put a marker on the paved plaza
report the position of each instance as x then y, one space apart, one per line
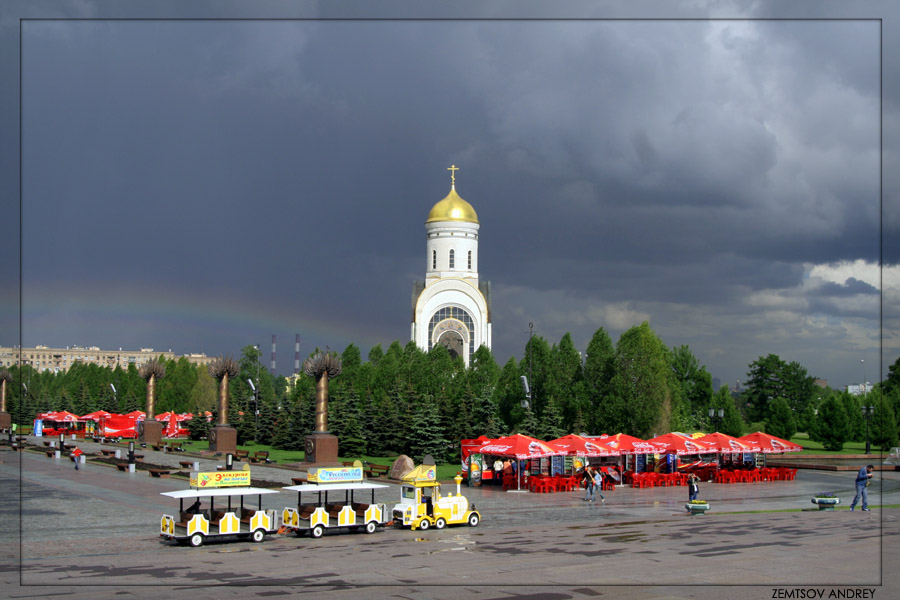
93 533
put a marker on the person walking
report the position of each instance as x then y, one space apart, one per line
588 484
862 485
598 484
76 454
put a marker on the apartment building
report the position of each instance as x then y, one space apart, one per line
59 360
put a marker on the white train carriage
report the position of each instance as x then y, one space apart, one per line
223 515
335 499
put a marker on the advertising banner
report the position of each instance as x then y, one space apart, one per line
475 469
557 465
219 479
335 475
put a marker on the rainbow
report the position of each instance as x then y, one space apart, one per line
138 312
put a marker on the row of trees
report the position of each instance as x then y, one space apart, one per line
785 399
404 400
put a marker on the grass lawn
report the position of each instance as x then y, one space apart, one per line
811 447
445 471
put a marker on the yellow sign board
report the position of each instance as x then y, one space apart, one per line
421 474
219 479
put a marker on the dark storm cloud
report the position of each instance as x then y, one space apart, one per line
685 172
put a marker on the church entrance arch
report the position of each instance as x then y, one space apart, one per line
453 342
452 328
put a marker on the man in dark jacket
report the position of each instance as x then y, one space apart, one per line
862 484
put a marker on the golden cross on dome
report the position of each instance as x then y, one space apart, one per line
453 169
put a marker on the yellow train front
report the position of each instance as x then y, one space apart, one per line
422 506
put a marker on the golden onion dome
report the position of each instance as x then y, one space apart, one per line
452 208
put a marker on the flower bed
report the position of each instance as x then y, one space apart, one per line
697 507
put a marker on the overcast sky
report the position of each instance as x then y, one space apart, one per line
202 185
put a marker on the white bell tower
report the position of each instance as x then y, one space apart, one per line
452 307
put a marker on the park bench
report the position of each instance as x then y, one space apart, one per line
258 457
299 480
241 453
347 463
186 464
122 466
158 447
50 453
174 446
107 452
47 443
377 470
160 472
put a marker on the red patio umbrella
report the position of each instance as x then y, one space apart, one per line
137 414
62 416
674 443
165 416
768 444
95 416
626 444
520 447
725 444
575 445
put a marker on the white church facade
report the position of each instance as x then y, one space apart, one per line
452 306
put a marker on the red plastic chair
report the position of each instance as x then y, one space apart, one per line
539 485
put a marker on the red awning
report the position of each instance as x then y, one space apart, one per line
725 444
674 443
519 446
575 445
626 444
768 444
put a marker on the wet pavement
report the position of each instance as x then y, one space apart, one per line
66 532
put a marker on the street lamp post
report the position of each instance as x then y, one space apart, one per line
256 394
867 412
714 414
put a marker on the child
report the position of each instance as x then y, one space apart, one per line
598 484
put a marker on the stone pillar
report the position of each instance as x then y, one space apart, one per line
5 417
223 438
322 449
150 431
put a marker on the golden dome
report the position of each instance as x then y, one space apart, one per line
452 208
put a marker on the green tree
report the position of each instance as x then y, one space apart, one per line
769 378
599 367
732 423
509 395
884 421
536 364
831 427
564 384
481 380
639 402
695 383
426 436
892 382
856 424
781 422
203 392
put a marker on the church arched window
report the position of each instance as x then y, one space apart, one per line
434 259
470 260
452 259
